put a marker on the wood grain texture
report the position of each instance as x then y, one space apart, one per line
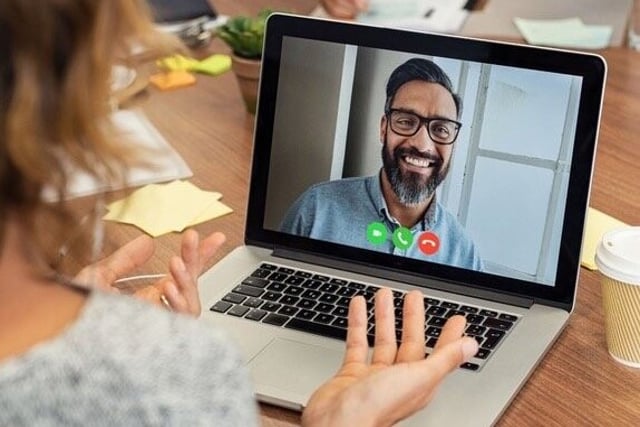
577 383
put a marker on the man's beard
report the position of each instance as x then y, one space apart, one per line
412 188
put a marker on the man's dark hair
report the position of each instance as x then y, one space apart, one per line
419 69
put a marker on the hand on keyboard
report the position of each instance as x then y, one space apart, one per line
397 381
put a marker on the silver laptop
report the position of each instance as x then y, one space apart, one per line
347 141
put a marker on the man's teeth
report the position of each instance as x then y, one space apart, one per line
417 161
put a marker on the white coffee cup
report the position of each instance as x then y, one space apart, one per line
618 259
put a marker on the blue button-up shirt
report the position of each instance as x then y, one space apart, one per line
340 211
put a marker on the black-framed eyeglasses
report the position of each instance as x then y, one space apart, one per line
406 123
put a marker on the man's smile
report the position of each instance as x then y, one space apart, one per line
419 162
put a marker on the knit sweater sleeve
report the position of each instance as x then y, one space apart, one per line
124 362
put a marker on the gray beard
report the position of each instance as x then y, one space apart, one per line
411 189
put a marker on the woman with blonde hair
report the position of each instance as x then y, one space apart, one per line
74 353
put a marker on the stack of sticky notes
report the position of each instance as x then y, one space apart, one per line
163 208
598 223
179 69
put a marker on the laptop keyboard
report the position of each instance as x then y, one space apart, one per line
319 304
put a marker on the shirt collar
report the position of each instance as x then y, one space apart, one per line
374 187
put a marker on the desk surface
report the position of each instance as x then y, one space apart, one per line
577 383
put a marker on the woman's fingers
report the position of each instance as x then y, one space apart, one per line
412 347
122 262
385 347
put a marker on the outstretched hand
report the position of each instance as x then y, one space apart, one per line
359 394
179 287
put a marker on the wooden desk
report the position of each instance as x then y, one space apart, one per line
577 383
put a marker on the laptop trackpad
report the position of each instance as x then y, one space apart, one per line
294 367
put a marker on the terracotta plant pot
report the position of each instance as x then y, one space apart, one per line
247 72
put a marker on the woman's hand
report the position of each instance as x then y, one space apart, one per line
397 381
179 288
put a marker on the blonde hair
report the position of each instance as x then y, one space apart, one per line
54 97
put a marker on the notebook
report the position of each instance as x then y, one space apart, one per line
498 177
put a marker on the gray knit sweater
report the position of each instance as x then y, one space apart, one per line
126 363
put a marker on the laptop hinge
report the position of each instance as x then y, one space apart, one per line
403 277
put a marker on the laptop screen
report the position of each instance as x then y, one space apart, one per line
450 158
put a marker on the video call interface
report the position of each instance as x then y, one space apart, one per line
499 204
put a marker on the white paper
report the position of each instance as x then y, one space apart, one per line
166 163
445 16
570 33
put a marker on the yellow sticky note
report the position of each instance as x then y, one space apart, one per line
177 63
213 65
163 208
598 223
172 80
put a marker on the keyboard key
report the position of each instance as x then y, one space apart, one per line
492 338
324 318
328 298
431 301
343 301
271 306
488 313
255 281
312 284
347 292
321 278
294 280
294 290
328 287
433 332
483 353
431 342
497 323
341 322
306 303
340 282
256 314
260 273
248 290
317 328
357 285
286 270
474 319
454 312
437 321
469 309
304 274
221 306
233 298
278 277
475 330
272 296
275 319
238 310
288 311
311 294
436 311
277 286
268 266
340 311
253 302
289 300
508 317
306 314
324 307
447 304
470 366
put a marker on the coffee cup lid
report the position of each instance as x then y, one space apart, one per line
618 254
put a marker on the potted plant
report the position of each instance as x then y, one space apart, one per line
244 35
